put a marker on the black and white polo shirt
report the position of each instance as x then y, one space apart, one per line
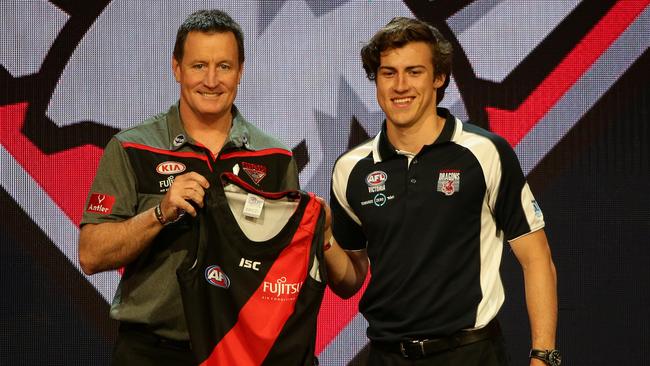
433 225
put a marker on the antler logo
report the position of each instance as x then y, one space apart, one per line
97 205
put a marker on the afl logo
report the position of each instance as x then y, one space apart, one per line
376 178
215 276
170 167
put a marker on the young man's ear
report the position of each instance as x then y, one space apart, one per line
439 80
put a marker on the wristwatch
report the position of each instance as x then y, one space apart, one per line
551 357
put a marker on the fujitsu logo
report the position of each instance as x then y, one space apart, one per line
165 184
280 290
170 167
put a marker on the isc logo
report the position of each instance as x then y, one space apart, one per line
375 178
216 277
247 263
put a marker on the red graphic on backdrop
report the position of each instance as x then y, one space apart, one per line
66 176
514 125
335 314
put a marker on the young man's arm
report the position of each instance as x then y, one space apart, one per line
346 270
534 255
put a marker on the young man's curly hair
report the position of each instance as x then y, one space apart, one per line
400 31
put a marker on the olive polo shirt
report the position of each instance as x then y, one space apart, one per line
138 167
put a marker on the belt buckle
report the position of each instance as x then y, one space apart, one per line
419 342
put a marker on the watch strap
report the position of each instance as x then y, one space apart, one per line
550 357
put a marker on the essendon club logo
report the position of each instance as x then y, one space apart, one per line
256 172
170 167
100 203
216 277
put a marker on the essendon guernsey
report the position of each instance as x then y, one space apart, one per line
253 284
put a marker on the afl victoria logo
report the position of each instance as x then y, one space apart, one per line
170 167
216 277
376 178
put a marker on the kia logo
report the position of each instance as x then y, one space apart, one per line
170 167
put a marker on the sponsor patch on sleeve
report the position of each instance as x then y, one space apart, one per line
100 203
536 209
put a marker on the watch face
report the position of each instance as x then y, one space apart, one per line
554 357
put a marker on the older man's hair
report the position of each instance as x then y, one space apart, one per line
208 21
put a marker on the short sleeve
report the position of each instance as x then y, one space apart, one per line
516 211
113 194
346 227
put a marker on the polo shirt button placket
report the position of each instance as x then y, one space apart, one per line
414 161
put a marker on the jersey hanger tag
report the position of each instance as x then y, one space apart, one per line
253 206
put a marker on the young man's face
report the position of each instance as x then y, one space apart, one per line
208 74
406 86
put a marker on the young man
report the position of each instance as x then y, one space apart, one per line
153 176
427 204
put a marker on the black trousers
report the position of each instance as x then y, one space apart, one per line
489 352
135 346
